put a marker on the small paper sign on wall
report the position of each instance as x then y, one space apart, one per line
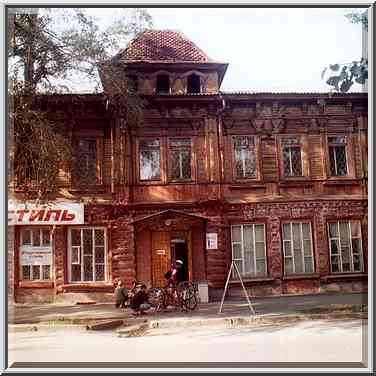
212 240
161 252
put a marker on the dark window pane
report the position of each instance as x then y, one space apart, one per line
333 230
46 240
296 161
88 268
288 266
334 247
356 246
76 237
36 271
308 264
46 272
332 161
99 255
76 272
341 160
26 272
36 238
193 84
88 242
335 264
26 237
99 237
286 161
99 272
357 259
163 84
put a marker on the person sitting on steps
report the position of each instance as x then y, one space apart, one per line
121 295
140 302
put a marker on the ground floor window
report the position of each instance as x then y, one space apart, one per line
87 254
297 248
345 244
36 254
248 249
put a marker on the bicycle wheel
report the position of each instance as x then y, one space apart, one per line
191 303
185 289
156 298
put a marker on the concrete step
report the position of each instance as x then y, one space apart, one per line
110 324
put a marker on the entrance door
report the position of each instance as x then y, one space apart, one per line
161 257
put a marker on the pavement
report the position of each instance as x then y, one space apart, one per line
234 312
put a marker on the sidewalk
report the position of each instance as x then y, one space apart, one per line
272 307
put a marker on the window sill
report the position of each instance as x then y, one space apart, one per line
248 185
36 284
346 276
252 280
88 286
340 181
295 183
300 276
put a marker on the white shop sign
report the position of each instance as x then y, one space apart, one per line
56 213
212 240
36 255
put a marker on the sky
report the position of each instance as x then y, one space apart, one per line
268 49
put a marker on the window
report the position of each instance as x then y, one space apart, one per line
292 159
163 84
193 84
87 161
245 157
36 254
150 168
297 248
180 159
345 243
248 249
87 254
337 155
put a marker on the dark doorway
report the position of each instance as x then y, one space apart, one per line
163 84
193 84
180 252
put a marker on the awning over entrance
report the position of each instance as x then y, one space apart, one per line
175 213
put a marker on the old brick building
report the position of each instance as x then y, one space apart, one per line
276 181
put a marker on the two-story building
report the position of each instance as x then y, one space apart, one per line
276 182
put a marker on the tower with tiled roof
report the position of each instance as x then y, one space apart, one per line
167 62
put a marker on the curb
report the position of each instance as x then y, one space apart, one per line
234 322
133 325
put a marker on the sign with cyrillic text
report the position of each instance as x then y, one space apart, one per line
55 213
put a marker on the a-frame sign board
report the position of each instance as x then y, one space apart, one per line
234 266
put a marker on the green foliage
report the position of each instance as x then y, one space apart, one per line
49 50
354 72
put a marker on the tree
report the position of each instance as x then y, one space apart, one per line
349 73
48 50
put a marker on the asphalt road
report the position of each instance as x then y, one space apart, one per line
310 341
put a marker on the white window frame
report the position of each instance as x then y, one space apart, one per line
333 145
255 259
243 152
288 145
31 245
81 256
339 254
291 241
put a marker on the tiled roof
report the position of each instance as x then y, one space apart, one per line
162 45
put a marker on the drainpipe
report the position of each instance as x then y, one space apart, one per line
220 143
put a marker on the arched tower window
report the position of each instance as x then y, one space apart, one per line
193 84
163 84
